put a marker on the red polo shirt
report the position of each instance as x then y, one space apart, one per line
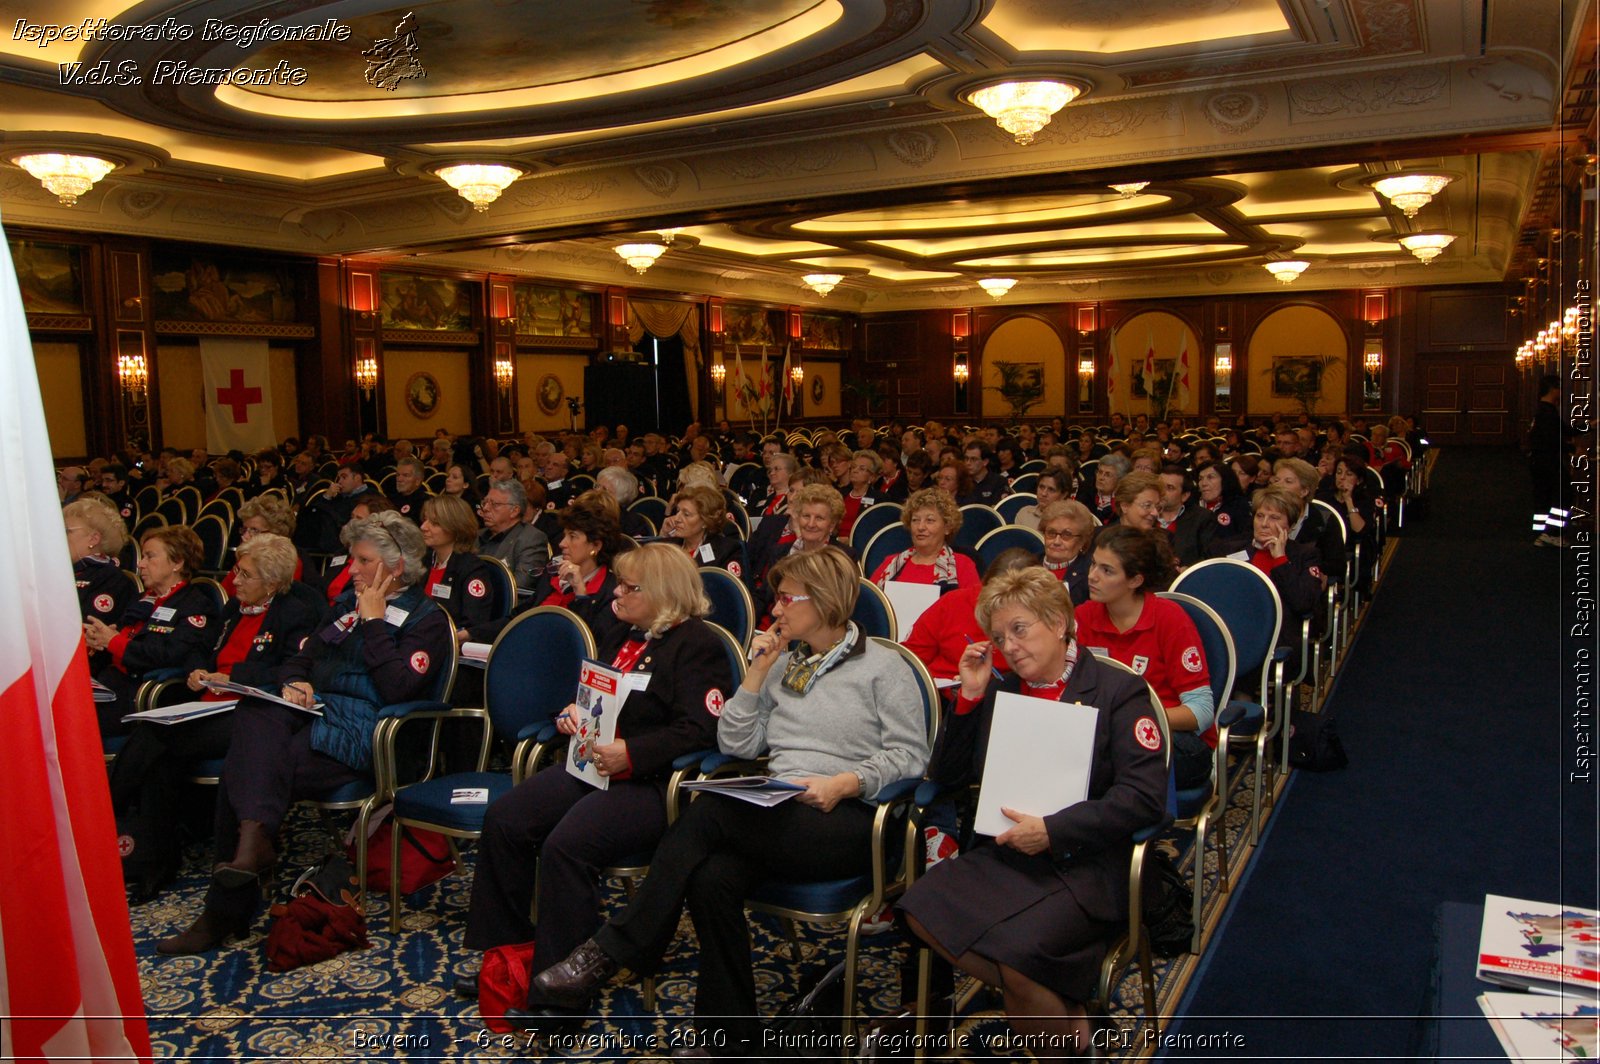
1163 646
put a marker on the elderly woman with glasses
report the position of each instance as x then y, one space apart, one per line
558 832
95 537
1032 909
1068 529
838 715
264 515
262 627
386 643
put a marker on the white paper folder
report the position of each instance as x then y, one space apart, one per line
1040 755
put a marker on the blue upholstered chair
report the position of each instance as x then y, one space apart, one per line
977 521
870 522
651 507
1013 504
1006 537
731 605
889 541
874 614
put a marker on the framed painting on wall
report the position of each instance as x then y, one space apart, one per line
193 288
822 332
423 395
411 302
550 393
543 310
1297 376
749 327
49 275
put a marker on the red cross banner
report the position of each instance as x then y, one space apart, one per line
69 984
238 395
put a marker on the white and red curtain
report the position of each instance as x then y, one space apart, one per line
69 985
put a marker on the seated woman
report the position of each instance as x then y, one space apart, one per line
814 513
1125 619
172 627
1347 493
1138 501
1068 529
1055 483
1220 493
386 644
458 482
1101 496
781 469
1031 910
840 716
945 629
865 466
1316 526
933 519
267 514
1294 568
952 477
556 832
457 578
261 628
695 520
95 538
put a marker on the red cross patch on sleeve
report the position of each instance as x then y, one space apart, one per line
198 620
1314 571
1224 520
714 702
476 589
103 603
735 569
1147 733
1192 660
419 662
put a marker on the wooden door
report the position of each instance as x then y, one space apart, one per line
1468 398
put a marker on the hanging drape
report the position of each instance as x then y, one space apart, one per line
662 318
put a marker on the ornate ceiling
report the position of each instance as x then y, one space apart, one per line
791 136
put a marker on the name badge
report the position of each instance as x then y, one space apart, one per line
338 559
705 552
866 501
396 616
441 591
163 613
1241 555
636 681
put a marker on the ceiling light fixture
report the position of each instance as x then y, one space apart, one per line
822 283
1022 108
996 286
1411 192
640 256
480 184
1426 246
1131 188
1287 272
66 176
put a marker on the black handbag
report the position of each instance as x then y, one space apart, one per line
1314 743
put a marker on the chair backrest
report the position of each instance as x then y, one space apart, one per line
889 541
580 482
735 652
173 510
731 605
1246 601
931 702
1087 471
213 533
871 521
1215 643
873 613
146 499
977 521
1012 505
1025 482
150 520
532 673
651 507
435 481
1159 710
503 586
737 513
1006 537
192 499
219 597
219 507
444 680
1032 465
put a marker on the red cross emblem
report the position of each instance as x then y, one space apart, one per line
1147 733
714 702
476 589
103 603
198 620
419 662
735 569
1191 659
236 395
124 845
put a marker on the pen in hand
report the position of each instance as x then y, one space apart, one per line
997 674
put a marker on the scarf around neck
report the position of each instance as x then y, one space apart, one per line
806 666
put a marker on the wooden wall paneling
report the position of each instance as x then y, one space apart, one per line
324 368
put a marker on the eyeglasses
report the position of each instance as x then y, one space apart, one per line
627 588
1014 634
1061 533
485 504
790 600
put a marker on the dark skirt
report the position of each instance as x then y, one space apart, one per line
1016 910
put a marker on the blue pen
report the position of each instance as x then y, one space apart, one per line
997 673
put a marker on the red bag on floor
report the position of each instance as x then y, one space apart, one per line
425 857
503 983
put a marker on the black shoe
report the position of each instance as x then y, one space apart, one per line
545 1018
467 987
572 983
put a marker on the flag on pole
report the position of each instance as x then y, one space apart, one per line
1150 365
238 394
740 384
1183 377
1111 381
69 985
766 384
788 384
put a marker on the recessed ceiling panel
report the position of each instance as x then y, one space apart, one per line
1100 26
967 214
1102 256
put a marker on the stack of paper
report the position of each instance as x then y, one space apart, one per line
102 693
1543 1027
1041 753
1538 945
757 790
182 711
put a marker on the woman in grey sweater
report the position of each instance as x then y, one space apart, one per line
843 717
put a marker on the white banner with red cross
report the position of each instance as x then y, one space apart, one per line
238 394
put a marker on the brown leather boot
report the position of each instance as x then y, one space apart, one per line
208 932
252 858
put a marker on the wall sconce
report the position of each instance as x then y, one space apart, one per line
797 374
719 374
133 373
65 176
1085 380
504 374
962 372
367 375
1222 376
1023 108
1373 359
1372 375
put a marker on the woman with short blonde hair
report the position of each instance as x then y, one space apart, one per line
1031 589
273 509
696 518
454 516
109 534
699 474
666 576
829 577
1138 498
275 557
933 519
95 538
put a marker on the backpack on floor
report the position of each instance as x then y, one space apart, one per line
425 856
503 983
1168 906
1314 743
811 1017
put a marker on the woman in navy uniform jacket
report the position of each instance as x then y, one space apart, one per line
695 522
174 625
1295 569
95 536
566 831
261 628
1031 910
812 523
385 644
457 579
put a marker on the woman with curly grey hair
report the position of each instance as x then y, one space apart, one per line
386 644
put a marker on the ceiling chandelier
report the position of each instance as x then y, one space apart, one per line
640 256
1411 192
480 184
1022 108
1286 271
822 283
996 286
1131 188
1426 246
66 176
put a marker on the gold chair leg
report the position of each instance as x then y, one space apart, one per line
394 874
